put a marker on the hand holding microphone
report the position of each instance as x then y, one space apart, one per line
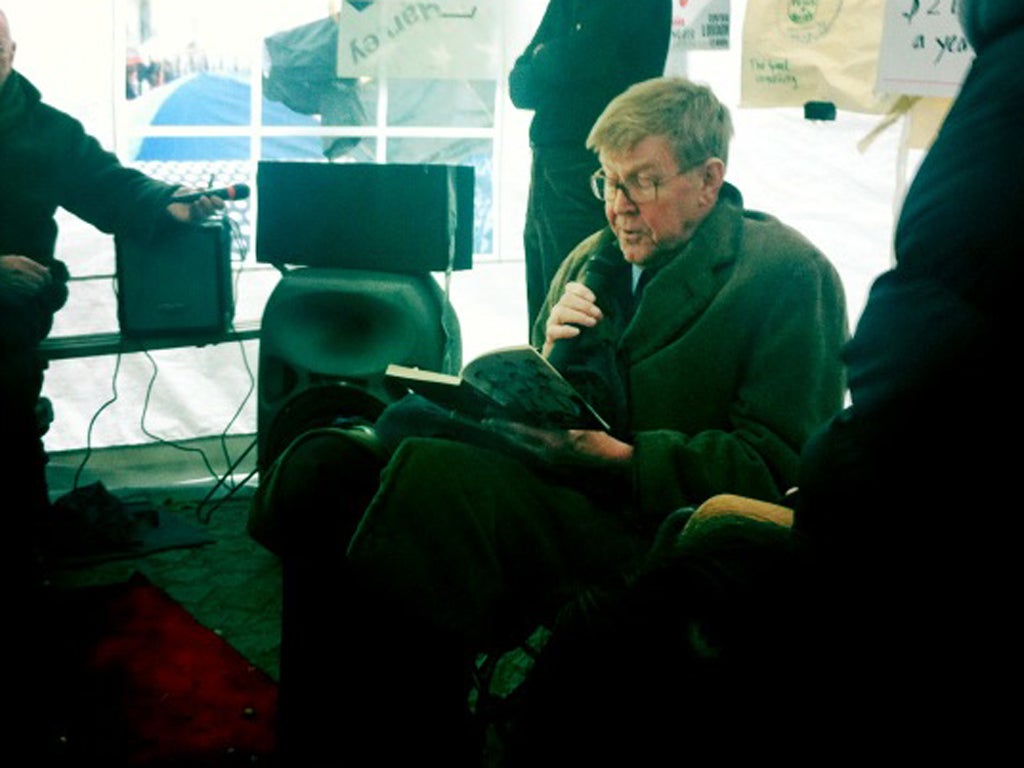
577 310
232 192
195 205
581 336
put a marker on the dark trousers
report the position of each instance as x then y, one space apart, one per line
561 211
362 682
453 558
24 504
23 468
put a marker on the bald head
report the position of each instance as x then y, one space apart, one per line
7 47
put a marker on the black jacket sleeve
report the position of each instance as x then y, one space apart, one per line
595 44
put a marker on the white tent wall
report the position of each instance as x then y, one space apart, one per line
811 175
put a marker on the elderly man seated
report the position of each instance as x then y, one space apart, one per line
715 333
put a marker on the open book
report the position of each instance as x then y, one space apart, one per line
514 383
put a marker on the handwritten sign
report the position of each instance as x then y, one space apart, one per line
448 39
700 25
924 51
796 51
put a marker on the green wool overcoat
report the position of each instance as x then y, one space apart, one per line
731 359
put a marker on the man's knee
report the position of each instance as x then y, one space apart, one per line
317 491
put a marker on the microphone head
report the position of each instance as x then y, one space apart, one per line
238 192
601 267
599 277
234 192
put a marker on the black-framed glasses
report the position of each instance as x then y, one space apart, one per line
639 190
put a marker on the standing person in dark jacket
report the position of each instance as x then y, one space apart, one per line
583 53
48 161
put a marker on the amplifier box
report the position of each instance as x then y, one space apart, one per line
178 283
381 217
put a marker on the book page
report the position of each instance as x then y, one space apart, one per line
521 381
513 384
407 373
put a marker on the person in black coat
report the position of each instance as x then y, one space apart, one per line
908 492
47 160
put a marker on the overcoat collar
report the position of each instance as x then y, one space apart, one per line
16 95
685 285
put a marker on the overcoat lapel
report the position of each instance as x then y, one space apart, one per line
684 287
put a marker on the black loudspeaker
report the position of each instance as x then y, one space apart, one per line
382 217
326 337
178 283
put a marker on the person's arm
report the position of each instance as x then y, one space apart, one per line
569 271
115 198
195 210
522 89
576 308
604 46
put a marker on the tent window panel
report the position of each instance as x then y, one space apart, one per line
442 103
195 149
203 98
357 149
331 102
300 79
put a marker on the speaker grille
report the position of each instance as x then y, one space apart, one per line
328 335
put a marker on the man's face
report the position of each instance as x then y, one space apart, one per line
6 50
678 202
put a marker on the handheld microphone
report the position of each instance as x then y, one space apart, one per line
598 278
589 360
234 192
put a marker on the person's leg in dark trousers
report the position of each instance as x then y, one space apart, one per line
462 549
361 683
407 685
25 506
24 466
561 211
467 549
319 489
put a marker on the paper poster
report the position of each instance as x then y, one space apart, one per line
445 39
700 25
924 51
796 51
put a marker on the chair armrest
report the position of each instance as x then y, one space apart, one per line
741 506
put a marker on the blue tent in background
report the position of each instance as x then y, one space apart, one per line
210 99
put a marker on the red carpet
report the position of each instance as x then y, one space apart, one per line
141 683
